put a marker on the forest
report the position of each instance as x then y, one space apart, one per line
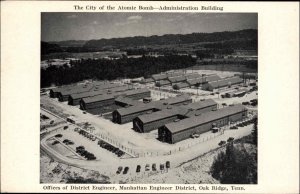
220 42
101 69
237 165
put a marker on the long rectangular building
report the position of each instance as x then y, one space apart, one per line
183 129
227 82
74 99
101 101
148 122
64 95
124 115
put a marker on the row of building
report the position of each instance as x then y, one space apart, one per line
183 129
125 115
178 118
179 80
124 98
95 96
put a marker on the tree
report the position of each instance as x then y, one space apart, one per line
254 132
235 166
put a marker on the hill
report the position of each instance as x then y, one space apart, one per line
168 39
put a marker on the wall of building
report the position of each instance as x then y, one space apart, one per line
140 96
147 127
185 134
63 98
206 109
121 119
74 102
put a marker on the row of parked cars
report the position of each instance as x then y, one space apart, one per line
111 148
243 124
68 142
81 150
87 135
147 168
252 102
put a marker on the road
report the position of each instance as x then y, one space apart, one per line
176 158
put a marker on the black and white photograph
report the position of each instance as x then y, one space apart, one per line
149 98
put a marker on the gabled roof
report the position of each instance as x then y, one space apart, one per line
176 73
147 118
134 109
203 79
77 89
157 77
201 104
98 92
203 118
212 78
181 85
87 94
148 80
192 76
162 83
127 101
161 104
136 91
177 79
225 82
97 98
184 110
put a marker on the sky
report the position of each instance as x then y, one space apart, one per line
87 26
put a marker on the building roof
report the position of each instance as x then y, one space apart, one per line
162 83
134 109
147 118
201 104
192 76
177 79
97 98
114 94
98 92
225 82
87 94
157 77
175 73
161 104
203 79
210 78
127 101
77 89
87 87
184 110
181 85
148 80
136 91
203 118
175 100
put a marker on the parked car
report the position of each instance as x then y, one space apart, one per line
66 127
55 142
65 141
161 166
153 167
120 168
138 168
147 167
233 127
168 164
125 170
58 135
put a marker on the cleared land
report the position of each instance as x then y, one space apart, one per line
140 148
